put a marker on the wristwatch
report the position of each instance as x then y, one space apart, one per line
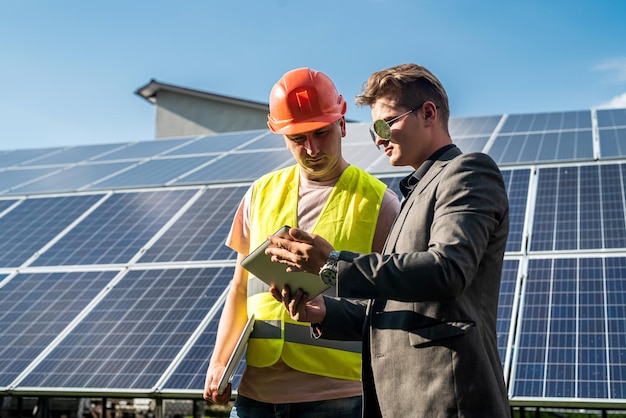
328 272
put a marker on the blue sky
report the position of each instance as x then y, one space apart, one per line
69 68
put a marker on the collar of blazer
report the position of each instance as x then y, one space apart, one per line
434 168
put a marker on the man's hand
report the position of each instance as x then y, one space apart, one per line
313 311
300 252
213 374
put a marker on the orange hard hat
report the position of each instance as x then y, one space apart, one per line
304 100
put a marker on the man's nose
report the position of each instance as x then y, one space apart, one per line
311 146
380 141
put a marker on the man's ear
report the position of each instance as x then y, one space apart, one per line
342 125
429 111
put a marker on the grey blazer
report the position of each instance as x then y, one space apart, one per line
429 330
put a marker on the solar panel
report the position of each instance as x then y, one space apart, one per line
580 208
28 227
152 173
199 234
609 118
77 154
35 309
547 122
516 183
4 204
612 142
211 144
14 177
191 371
143 149
72 179
476 144
506 302
239 167
117 229
542 147
128 340
473 126
147 269
267 141
23 157
564 340
365 154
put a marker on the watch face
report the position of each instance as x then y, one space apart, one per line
328 276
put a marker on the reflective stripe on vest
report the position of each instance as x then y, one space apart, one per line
348 221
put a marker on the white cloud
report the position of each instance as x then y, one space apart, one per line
615 102
616 66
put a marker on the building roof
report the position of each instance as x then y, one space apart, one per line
151 90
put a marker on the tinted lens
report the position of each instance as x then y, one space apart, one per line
382 129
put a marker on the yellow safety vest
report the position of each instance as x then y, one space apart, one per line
348 221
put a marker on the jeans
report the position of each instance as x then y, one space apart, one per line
335 408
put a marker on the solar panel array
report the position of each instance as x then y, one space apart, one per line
113 270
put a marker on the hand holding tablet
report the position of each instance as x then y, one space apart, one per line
261 266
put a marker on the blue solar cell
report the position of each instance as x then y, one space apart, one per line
394 184
516 182
76 154
613 190
567 199
143 149
155 172
506 300
362 155
117 230
191 372
590 208
35 308
199 234
239 167
471 126
580 208
592 360
5 204
72 179
33 223
542 147
547 121
612 142
467 145
11 178
131 337
611 117
25 156
267 141
218 143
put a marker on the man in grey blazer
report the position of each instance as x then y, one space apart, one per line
429 329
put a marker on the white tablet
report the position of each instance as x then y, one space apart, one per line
260 265
235 357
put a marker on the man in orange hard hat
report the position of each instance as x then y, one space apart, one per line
287 372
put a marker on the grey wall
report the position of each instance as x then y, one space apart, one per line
181 115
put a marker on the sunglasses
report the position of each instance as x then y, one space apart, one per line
382 128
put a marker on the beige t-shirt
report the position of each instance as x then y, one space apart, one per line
280 383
